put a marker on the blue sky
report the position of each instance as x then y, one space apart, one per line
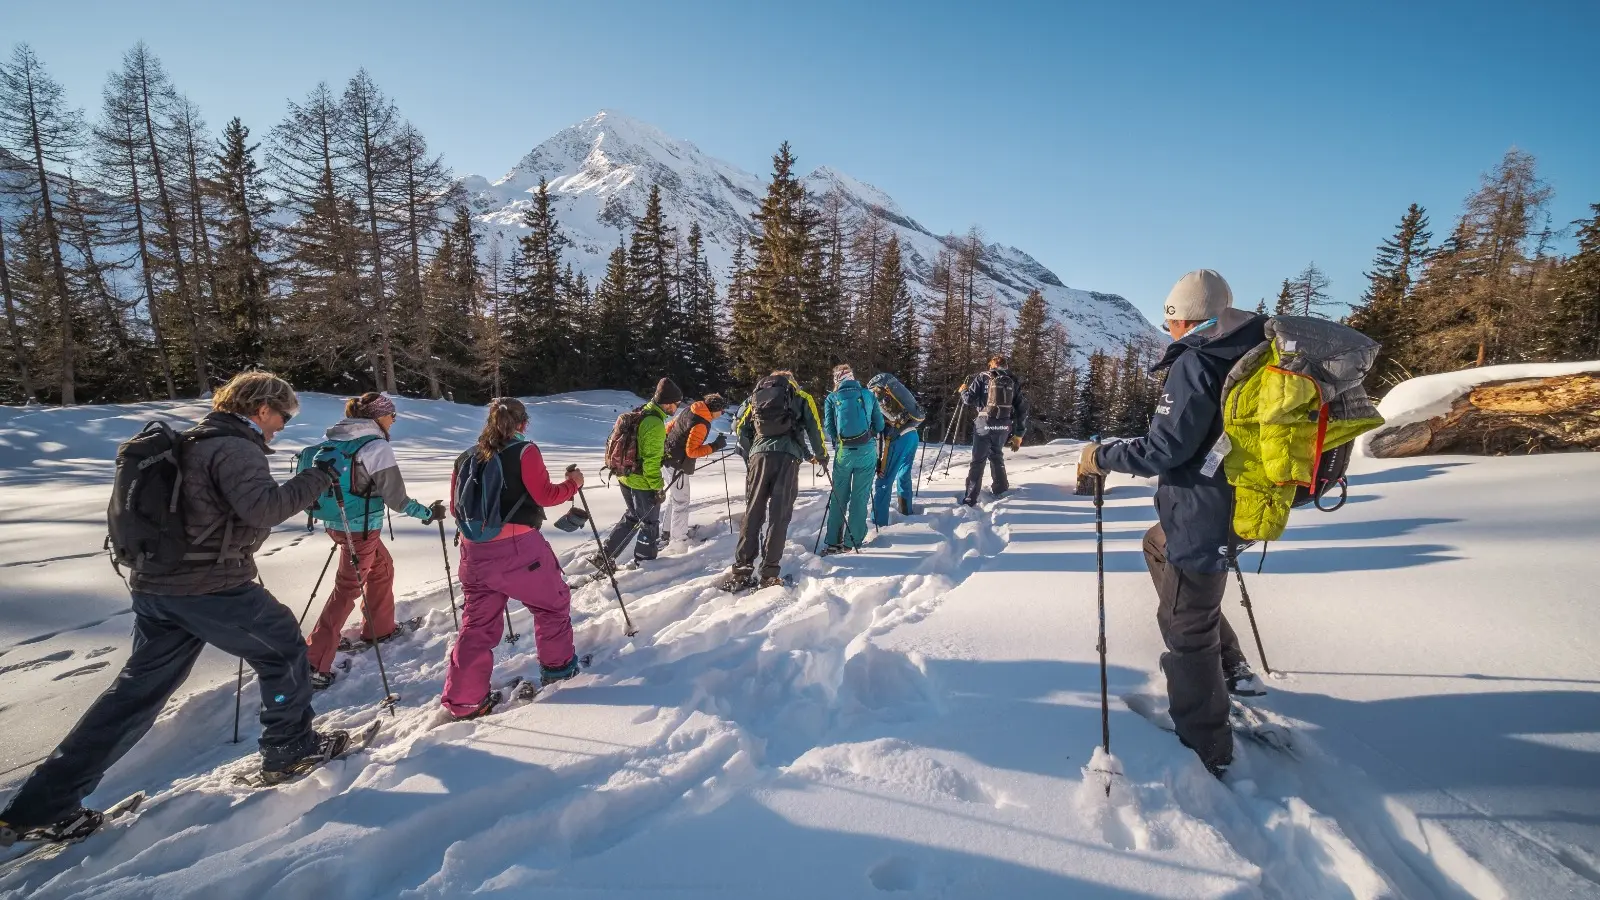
1120 144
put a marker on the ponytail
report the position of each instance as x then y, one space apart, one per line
507 416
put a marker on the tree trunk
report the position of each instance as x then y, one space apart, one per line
196 341
11 322
1516 417
58 267
367 163
200 235
144 266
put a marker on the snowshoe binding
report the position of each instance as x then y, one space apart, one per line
735 583
331 745
321 681
401 629
1242 681
52 840
484 707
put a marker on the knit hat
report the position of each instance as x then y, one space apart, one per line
1198 296
374 407
841 372
666 392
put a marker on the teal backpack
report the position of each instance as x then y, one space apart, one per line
854 422
362 512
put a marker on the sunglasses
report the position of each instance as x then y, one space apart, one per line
283 415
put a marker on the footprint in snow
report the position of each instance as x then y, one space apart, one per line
81 670
897 873
39 663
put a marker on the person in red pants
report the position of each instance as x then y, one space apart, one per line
369 475
499 491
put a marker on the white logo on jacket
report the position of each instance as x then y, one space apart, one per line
1164 407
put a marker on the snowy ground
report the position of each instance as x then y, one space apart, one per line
917 718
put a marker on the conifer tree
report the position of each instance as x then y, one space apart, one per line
746 325
39 128
1308 292
906 340
614 334
241 275
542 350
19 353
1093 396
1285 302
113 366
705 368
1029 355
148 90
1577 321
1261 307
1384 312
368 136
660 349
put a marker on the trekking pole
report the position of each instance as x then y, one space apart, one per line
825 507
727 494
511 630
389 519
312 599
951 458
1100 576
611 573
389 697
238 700
1244 600
922 461
449 577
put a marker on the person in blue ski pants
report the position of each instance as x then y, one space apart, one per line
902 417
851 422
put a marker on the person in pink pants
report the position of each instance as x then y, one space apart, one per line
515 562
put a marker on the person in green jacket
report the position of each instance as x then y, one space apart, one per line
644 493
851 421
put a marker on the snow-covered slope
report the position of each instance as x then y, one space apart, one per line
601 169
918 718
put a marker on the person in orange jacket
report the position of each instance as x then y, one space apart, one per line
685 445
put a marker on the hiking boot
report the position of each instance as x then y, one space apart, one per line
484 707
1242 681
321 681
831 549
1218 770
736 582
549 676
329 745
70 828
772 581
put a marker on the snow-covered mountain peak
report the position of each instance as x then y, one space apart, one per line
600 172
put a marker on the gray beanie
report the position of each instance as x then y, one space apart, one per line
1198 296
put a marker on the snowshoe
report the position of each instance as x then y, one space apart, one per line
777 581
485 706
331 745
832 549
602 563
1242 682
401 629
52 840
321 681
734 584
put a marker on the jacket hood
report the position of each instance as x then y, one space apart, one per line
351 429
1235 333
848 383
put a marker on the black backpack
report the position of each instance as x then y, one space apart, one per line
772 407
144 519
1002 394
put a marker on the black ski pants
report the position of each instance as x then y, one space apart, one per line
168 634
642 521
1200 642
988 446
771 484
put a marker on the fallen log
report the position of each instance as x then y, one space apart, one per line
1514 417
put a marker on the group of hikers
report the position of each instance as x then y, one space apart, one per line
228 502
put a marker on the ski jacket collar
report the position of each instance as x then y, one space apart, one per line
1227 339
352 429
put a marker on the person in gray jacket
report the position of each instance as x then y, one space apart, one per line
230 504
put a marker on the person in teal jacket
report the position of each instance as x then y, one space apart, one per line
851 421
644 493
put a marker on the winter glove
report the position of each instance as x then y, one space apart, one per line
1087 464
436 513
822 461
330 461
417 511
1015 443
719 443
661 496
